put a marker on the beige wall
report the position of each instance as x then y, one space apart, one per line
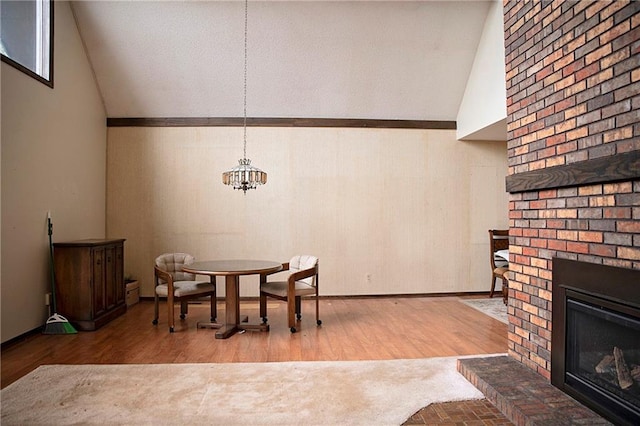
386 211
53 159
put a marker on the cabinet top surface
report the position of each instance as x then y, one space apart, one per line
89 242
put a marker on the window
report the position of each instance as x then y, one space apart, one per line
26 37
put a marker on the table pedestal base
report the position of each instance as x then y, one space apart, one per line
209 325
232 270
228 330
214 325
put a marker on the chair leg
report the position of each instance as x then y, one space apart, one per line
505 290
318 322
214 308
170 313
156 310
493 285
263 299
214 301
184 309
298 308
291 313
263 307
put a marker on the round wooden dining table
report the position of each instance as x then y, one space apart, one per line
232 270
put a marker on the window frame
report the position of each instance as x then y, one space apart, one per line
28 71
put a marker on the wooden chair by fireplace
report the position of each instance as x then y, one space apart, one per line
505 288
499 240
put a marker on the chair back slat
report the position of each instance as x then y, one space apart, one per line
500 244
498 240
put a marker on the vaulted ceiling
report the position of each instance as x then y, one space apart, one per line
306 59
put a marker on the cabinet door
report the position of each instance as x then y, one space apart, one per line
99 294
109 276
118 278
114 276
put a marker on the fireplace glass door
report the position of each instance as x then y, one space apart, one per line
603 355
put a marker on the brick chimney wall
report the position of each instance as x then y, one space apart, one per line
573 99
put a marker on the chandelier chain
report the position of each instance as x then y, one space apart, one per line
246 15
245 176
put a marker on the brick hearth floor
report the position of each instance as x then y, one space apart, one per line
514 395
523 396
475 412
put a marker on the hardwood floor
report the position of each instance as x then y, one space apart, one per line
352 329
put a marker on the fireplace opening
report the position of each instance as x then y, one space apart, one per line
595 354
605 360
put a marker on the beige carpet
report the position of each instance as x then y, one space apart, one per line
309 393
493 307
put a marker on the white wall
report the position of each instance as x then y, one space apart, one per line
53 158
308 59
408 208
483 110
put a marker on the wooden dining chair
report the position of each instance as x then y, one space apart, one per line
302 281
498 240
178 286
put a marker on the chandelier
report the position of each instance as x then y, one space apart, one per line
244 176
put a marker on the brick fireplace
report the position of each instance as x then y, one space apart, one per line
573 121
573 105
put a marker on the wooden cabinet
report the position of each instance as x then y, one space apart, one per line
89 274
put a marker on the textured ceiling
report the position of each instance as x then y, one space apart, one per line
306 59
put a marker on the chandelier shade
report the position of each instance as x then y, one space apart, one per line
244 176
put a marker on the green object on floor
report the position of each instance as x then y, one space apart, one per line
56 324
